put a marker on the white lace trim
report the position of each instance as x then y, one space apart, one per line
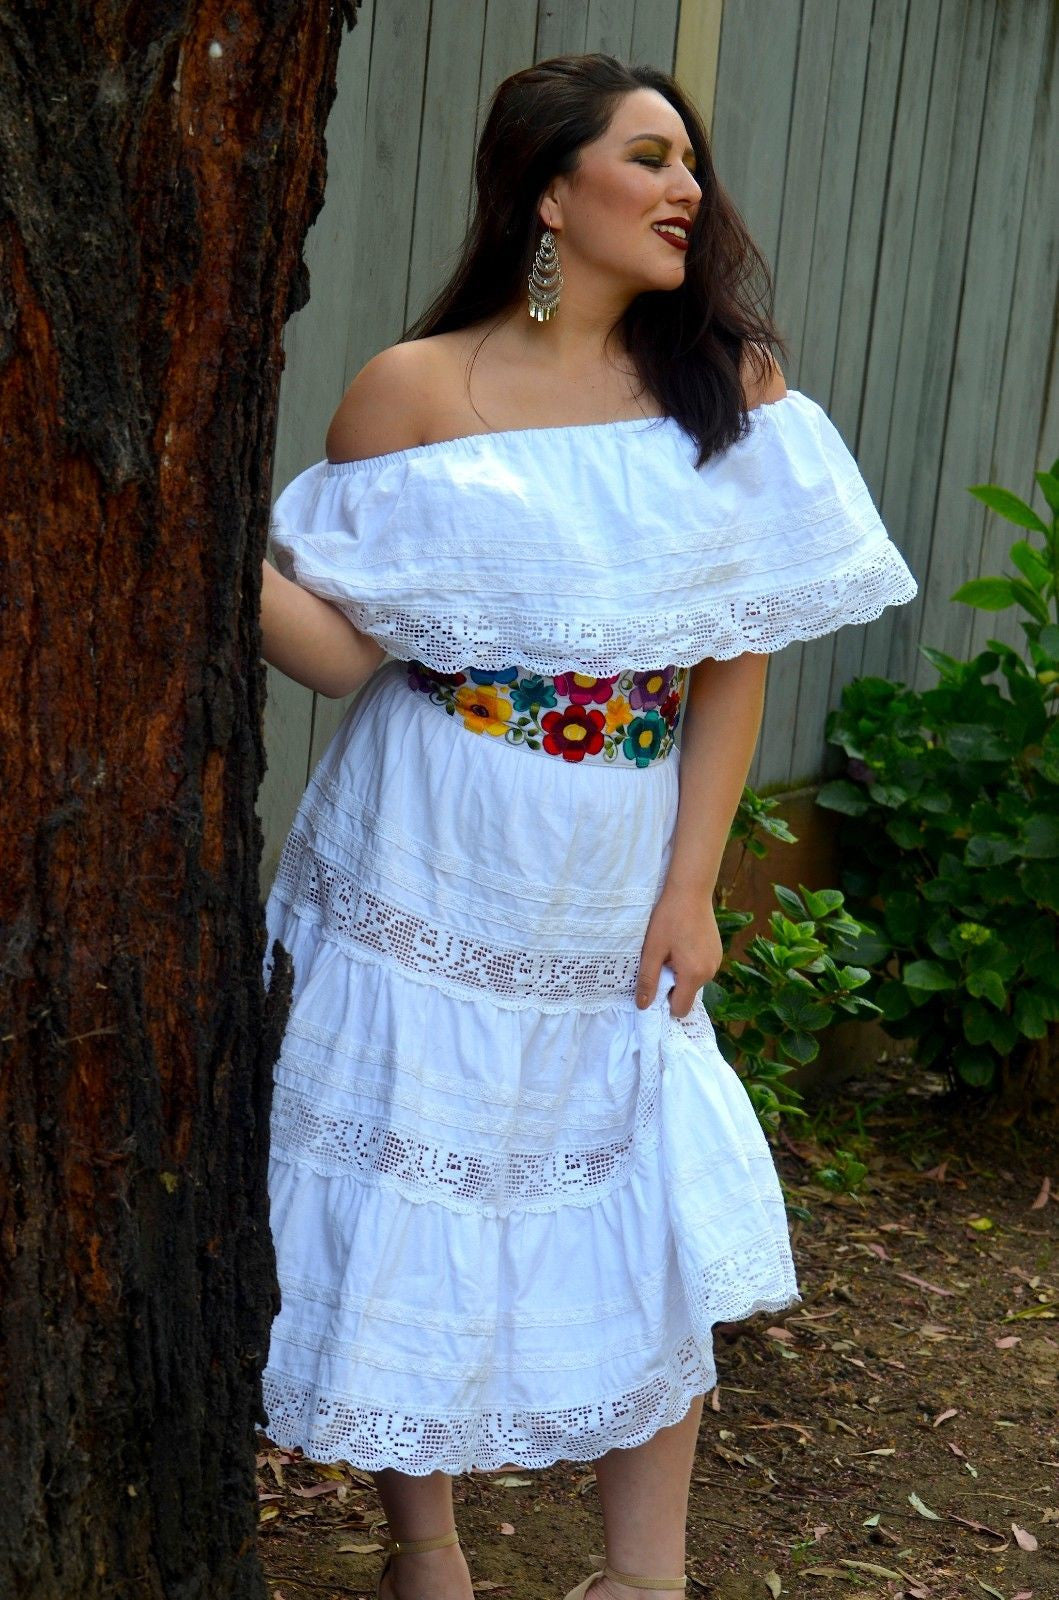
364 924
334 1427
487 637
485 1182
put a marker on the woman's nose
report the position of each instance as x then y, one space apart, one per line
687 189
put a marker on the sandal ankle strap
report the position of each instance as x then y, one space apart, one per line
398 1547
645 1583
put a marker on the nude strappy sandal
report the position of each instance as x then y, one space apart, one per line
627 1577
397 1547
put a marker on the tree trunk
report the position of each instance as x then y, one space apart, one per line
161 164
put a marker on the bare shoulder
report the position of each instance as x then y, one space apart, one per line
386 406
763 381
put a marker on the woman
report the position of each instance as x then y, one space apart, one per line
513 1182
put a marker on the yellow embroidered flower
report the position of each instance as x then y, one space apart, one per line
618 712
483 708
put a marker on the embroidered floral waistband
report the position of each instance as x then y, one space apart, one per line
630 718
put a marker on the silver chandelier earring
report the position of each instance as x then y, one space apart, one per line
546 280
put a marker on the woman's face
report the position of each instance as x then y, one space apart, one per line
637 176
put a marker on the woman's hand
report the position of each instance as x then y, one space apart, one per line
683 933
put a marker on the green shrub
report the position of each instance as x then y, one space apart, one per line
951 839
769 1006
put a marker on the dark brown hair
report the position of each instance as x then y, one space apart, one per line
687 344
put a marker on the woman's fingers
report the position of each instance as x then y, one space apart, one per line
651 958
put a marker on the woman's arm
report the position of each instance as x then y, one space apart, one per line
304 636
311 641
722 719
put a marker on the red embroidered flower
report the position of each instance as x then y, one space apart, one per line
573 733
670 708
582 689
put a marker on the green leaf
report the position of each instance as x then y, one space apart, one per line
901 915
713 996
975 1067
893 1001
987 985
1031 1014
800 1011
1040 836
984 850
800 1047
841 795
973 741
1030 564
1049 488
948 666
821 902
988 594
904 831
1008 505
977 1023
927 975
790 902
888 794
1029 599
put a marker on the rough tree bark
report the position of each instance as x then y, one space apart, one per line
161 162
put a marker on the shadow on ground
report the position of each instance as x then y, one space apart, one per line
896 1434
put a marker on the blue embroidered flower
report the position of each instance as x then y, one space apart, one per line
506 675
533 692
644 738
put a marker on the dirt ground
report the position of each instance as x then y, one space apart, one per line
895 1434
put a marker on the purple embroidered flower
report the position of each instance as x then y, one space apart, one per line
582 690
650 688
426 680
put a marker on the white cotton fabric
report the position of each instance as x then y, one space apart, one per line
598 547
507 1205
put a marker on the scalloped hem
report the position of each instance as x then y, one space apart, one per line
359 1432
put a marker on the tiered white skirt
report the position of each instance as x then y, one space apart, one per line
507 1205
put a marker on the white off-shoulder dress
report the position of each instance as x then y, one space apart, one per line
507 1205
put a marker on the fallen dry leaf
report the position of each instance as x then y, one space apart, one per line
359 1549
924 1510
1024 1540
1042 1194
943 1416
507 1527
922 1283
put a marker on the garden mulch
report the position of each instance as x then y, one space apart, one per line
895 1434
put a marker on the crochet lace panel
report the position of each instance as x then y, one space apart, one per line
370 927
490 638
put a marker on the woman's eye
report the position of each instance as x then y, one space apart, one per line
649 161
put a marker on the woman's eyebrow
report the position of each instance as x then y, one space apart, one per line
659 138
